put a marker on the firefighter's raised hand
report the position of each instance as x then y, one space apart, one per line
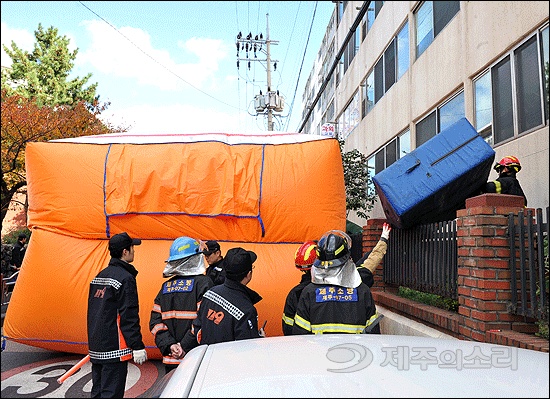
386 228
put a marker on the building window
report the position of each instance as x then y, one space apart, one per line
350 118
379 80
368 94
403 144
545 68
330 113
371 167
451 112
528 84
341 8
364 98
392 65
440 119
340 70
431 18
364 27
483 107
403 50
512 97
502 100
426 129
369 17
391 152
357 40
350 51
389 66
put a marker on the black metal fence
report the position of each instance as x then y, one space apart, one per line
424 258
528 237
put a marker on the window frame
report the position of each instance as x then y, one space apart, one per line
427 13
435 124
493 131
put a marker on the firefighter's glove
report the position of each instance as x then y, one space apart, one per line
386 228
140 356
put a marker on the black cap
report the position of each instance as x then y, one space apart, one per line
121 241
238 262
212 246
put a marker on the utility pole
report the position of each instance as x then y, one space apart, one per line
268 45
272 101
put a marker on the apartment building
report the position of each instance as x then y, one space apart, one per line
392 74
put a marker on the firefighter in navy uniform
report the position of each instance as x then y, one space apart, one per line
506 183
114 332
215 260
305 256
336 301
178 300
227 311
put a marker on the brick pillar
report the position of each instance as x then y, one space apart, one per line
371 235
483 265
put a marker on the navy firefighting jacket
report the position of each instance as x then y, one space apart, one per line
113 314
174 309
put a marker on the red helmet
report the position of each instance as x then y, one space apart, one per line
305 255
509 162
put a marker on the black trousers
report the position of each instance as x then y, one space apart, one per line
109 379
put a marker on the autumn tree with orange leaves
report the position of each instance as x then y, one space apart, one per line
24 121
41 103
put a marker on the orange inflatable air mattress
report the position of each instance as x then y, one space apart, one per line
265 193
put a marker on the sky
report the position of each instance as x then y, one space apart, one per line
170 67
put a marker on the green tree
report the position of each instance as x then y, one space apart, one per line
40 103
43 74
360 194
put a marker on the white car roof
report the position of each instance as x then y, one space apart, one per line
349 365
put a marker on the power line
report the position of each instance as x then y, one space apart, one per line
301 65
170 71
291 36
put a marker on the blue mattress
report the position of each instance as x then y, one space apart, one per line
433 181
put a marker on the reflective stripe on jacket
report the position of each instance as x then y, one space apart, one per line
291 303
326 309
174 309
113 314
227 313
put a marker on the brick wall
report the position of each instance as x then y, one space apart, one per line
483 278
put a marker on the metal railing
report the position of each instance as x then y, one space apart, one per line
7 287
424 258
528 237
